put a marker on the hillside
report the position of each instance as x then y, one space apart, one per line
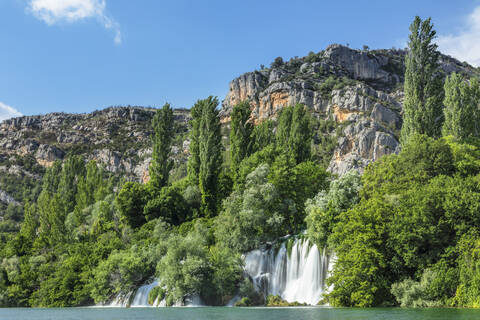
117 137
356 97
355 94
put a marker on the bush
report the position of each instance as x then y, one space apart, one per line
278 62
157 293
410 293
252 216
250 296
277 301
324 209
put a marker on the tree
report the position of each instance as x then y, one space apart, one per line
294 133
300 134
210 152
324 209
278 62
130 202
193 165
423 83
241 142
163 127
92 187
462 114
73 169
284 125
263 135
169 204
252 216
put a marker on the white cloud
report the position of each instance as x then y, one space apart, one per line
7 112
465 45
58 11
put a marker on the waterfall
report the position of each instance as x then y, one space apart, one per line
141 296
298 276
140 299
121 300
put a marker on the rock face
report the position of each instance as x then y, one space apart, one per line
6 198
360 90
118 138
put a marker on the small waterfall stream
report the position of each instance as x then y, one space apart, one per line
141 296
296 276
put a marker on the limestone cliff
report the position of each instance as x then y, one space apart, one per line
118 138
360 90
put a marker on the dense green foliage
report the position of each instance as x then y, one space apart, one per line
163 127
241 142
406 233
324 209
422 106
415 210
294 133
89 239
206 149
462 100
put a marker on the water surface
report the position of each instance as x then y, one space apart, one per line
211 313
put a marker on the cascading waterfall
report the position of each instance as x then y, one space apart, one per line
141 296
296 276
140 300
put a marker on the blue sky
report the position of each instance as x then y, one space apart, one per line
82 55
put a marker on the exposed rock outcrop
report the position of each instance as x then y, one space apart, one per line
360 90
116 137
5 197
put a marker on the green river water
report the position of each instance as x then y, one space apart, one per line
211 313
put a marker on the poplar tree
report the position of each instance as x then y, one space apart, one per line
163 127
300 134
263 135
210 154
462 114
423 83
241 142
284 125
294 133
193 165
73 170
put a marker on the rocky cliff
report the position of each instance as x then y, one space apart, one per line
360 90
356 97
116 137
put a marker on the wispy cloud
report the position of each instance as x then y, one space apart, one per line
70 11
7 112
465 45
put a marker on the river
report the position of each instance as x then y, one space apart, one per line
214 313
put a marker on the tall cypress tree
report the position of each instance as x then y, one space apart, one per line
284 125
423 83
294 133
193 165
73 170
263 135
241 140
163 127
210 154
300 134
462 114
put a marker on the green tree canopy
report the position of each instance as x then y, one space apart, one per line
423 83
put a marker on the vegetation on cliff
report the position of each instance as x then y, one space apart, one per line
405 233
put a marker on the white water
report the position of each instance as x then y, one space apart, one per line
140 300
141 296
299 276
